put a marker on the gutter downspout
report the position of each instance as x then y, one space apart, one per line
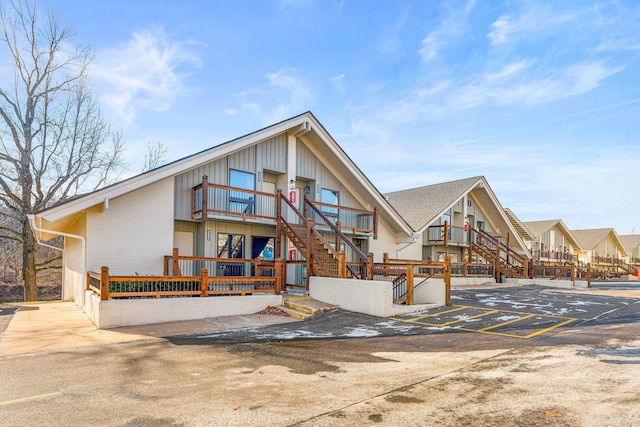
414 237
37 230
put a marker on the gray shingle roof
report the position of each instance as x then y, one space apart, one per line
590 238
630 241
538 228
420 206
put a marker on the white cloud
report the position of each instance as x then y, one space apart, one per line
450 29
143 74
285 95
338 83
535 20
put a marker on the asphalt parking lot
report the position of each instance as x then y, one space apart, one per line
497 356
512 312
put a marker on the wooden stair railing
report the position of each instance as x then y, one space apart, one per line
341 238
491 248
322 259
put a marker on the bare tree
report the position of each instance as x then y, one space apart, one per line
156 156
54 143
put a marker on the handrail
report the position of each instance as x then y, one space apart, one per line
313 231
335 229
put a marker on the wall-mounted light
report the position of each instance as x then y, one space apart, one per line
259 176
208 235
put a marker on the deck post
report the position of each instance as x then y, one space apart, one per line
410 281
447 280
281 275
375 223
310 225
204 283
205 198
337 237
446 234
497 263
278 242
573 274
369 266
588 275
525 269
175 265
342 265
104 283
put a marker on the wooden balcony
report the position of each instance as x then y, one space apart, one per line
214 200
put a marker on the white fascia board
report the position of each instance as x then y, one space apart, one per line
180 166
451 205
379 198
502 213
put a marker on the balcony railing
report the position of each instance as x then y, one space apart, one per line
555 256
209 199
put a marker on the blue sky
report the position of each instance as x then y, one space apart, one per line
542 98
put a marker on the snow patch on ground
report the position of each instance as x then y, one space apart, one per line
362 331
507 318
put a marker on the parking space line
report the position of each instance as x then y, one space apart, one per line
508 322
460 307
470 317
542 331
490 330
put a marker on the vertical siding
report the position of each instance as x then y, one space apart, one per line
305 161
217 173
272 154
244 160
134 233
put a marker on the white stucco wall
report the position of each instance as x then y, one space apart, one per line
387 242
361 296
115 313
134 233
73 261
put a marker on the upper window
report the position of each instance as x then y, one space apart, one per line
241 201
330 197
241 179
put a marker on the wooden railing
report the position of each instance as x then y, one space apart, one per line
406 275
346 219
352 252
208 198
110 287
546 255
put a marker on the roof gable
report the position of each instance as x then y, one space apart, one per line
538 228
630 241
590 238
421 206
304 124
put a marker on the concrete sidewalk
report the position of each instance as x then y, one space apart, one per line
63 325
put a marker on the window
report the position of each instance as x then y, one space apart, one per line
330 197
241 201
230 246
263 248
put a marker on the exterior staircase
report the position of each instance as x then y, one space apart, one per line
510 269
323 263
303 306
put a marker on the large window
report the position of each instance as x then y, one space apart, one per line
241 201
330 197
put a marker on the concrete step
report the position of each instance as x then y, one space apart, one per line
306 304
296 314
